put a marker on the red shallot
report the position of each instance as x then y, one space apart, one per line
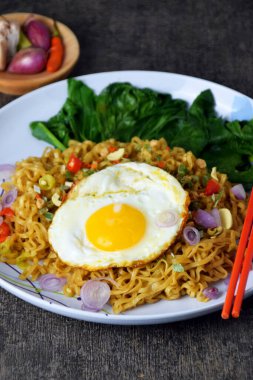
38 33
28 61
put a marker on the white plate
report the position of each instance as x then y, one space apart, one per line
16 142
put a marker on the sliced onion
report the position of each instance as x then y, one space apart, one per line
9 197
51 282
85 308
191 235
6 171
205 219
212 293
239 192
227 279
94 295
215 213
167 218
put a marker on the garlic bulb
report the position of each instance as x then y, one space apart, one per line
9 38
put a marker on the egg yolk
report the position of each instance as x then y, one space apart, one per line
115 227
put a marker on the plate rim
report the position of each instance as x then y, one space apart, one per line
148 72
119 319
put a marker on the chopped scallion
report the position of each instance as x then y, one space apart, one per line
148 147
178 267
182 170
36 189
205 179
218 198
48 215
43 210
64 187
68 175
88 172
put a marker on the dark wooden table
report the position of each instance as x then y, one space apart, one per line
208 39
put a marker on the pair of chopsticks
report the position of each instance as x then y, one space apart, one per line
241 267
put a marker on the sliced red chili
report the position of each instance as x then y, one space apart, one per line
112 149
212 187
161 164
4 232
74 164
7 211
64 197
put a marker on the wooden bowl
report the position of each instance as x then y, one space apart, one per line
18 84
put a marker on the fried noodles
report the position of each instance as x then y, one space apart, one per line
208 261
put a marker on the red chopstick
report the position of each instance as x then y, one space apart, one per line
243 279
242 264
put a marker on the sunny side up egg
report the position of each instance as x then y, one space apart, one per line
124 215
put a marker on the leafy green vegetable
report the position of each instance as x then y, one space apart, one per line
122 111
41 132
87 123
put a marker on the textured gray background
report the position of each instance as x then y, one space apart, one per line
208 39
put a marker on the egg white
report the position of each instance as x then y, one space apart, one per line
149 189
